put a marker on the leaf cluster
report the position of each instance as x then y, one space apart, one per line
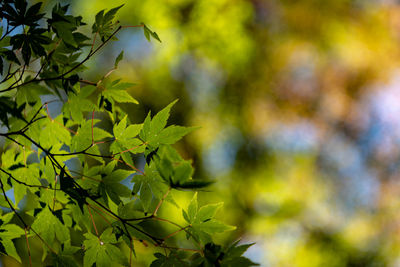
74 184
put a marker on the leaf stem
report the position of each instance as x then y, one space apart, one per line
161 201
94 224
28 247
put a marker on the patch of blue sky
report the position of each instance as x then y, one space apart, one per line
134 42
383 130
358 184
257 252
220 156
10 196
202 77
300 136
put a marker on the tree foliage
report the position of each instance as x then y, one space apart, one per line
60 171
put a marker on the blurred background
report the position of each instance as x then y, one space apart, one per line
299 108
299 104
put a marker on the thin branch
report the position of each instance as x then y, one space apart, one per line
8 31
55 192
23 183
139 219
133 26
22 220
62 76
85 176
15 141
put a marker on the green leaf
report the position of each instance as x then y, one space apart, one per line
213 227
104 23
64 30
98 20
145 132
147 33
176 171
149 186
111 13
182 172
8 232
8 108
10 249
207 212
185 216
172 134
122 132
153 130
101 251
193 208
172 260
54 132
77 105
132 131
83 139
233 255
120 127
30 93
50 227
117 92
121 96
160 119
235 251
11 231
114 188
146 196
63 261
118 59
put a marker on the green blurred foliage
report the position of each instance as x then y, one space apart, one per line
284 92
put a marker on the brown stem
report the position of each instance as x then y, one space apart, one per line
101 215
55 192
176 232
29 249
145 143
94 225
92 128
185 249
161 201
94 40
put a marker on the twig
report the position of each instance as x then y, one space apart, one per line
62 76
22 220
